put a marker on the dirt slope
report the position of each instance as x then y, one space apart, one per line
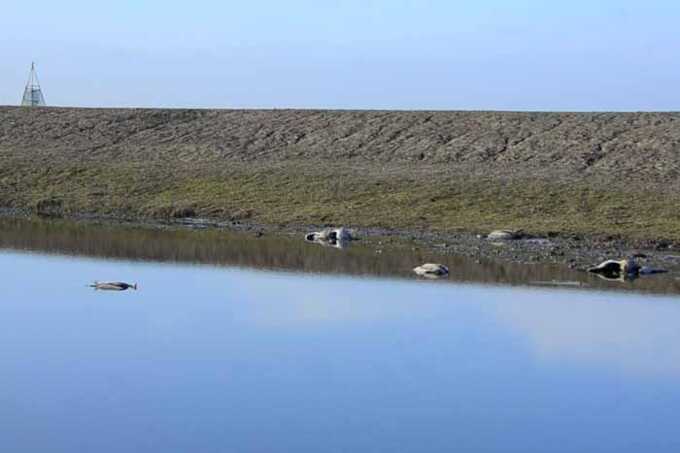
582 172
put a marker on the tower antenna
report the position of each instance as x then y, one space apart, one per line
33 96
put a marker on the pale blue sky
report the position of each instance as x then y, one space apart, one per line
402 54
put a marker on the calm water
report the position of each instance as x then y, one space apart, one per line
247 354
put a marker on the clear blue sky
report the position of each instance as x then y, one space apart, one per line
403 54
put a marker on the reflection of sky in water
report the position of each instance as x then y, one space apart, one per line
627 333
218 359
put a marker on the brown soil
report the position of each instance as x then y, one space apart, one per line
567 173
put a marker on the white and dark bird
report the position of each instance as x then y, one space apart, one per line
431 270
113 286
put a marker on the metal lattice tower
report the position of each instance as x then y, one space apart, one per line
33 96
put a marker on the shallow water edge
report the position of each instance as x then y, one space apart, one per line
373 256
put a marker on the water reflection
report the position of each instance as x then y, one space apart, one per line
217 359
623 333
290 253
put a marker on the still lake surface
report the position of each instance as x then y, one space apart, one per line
265 345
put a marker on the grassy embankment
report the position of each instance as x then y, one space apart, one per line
295 194
151 179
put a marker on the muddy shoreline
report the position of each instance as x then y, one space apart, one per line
584 187
570 251
588 175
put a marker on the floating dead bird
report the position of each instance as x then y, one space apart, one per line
505 235
615 268
431 270
113 286
330 234
623 269
335 237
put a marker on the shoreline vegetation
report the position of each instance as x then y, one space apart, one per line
605 180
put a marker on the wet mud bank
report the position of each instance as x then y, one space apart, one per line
583 187
566 258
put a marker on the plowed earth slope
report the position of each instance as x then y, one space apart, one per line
602 173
